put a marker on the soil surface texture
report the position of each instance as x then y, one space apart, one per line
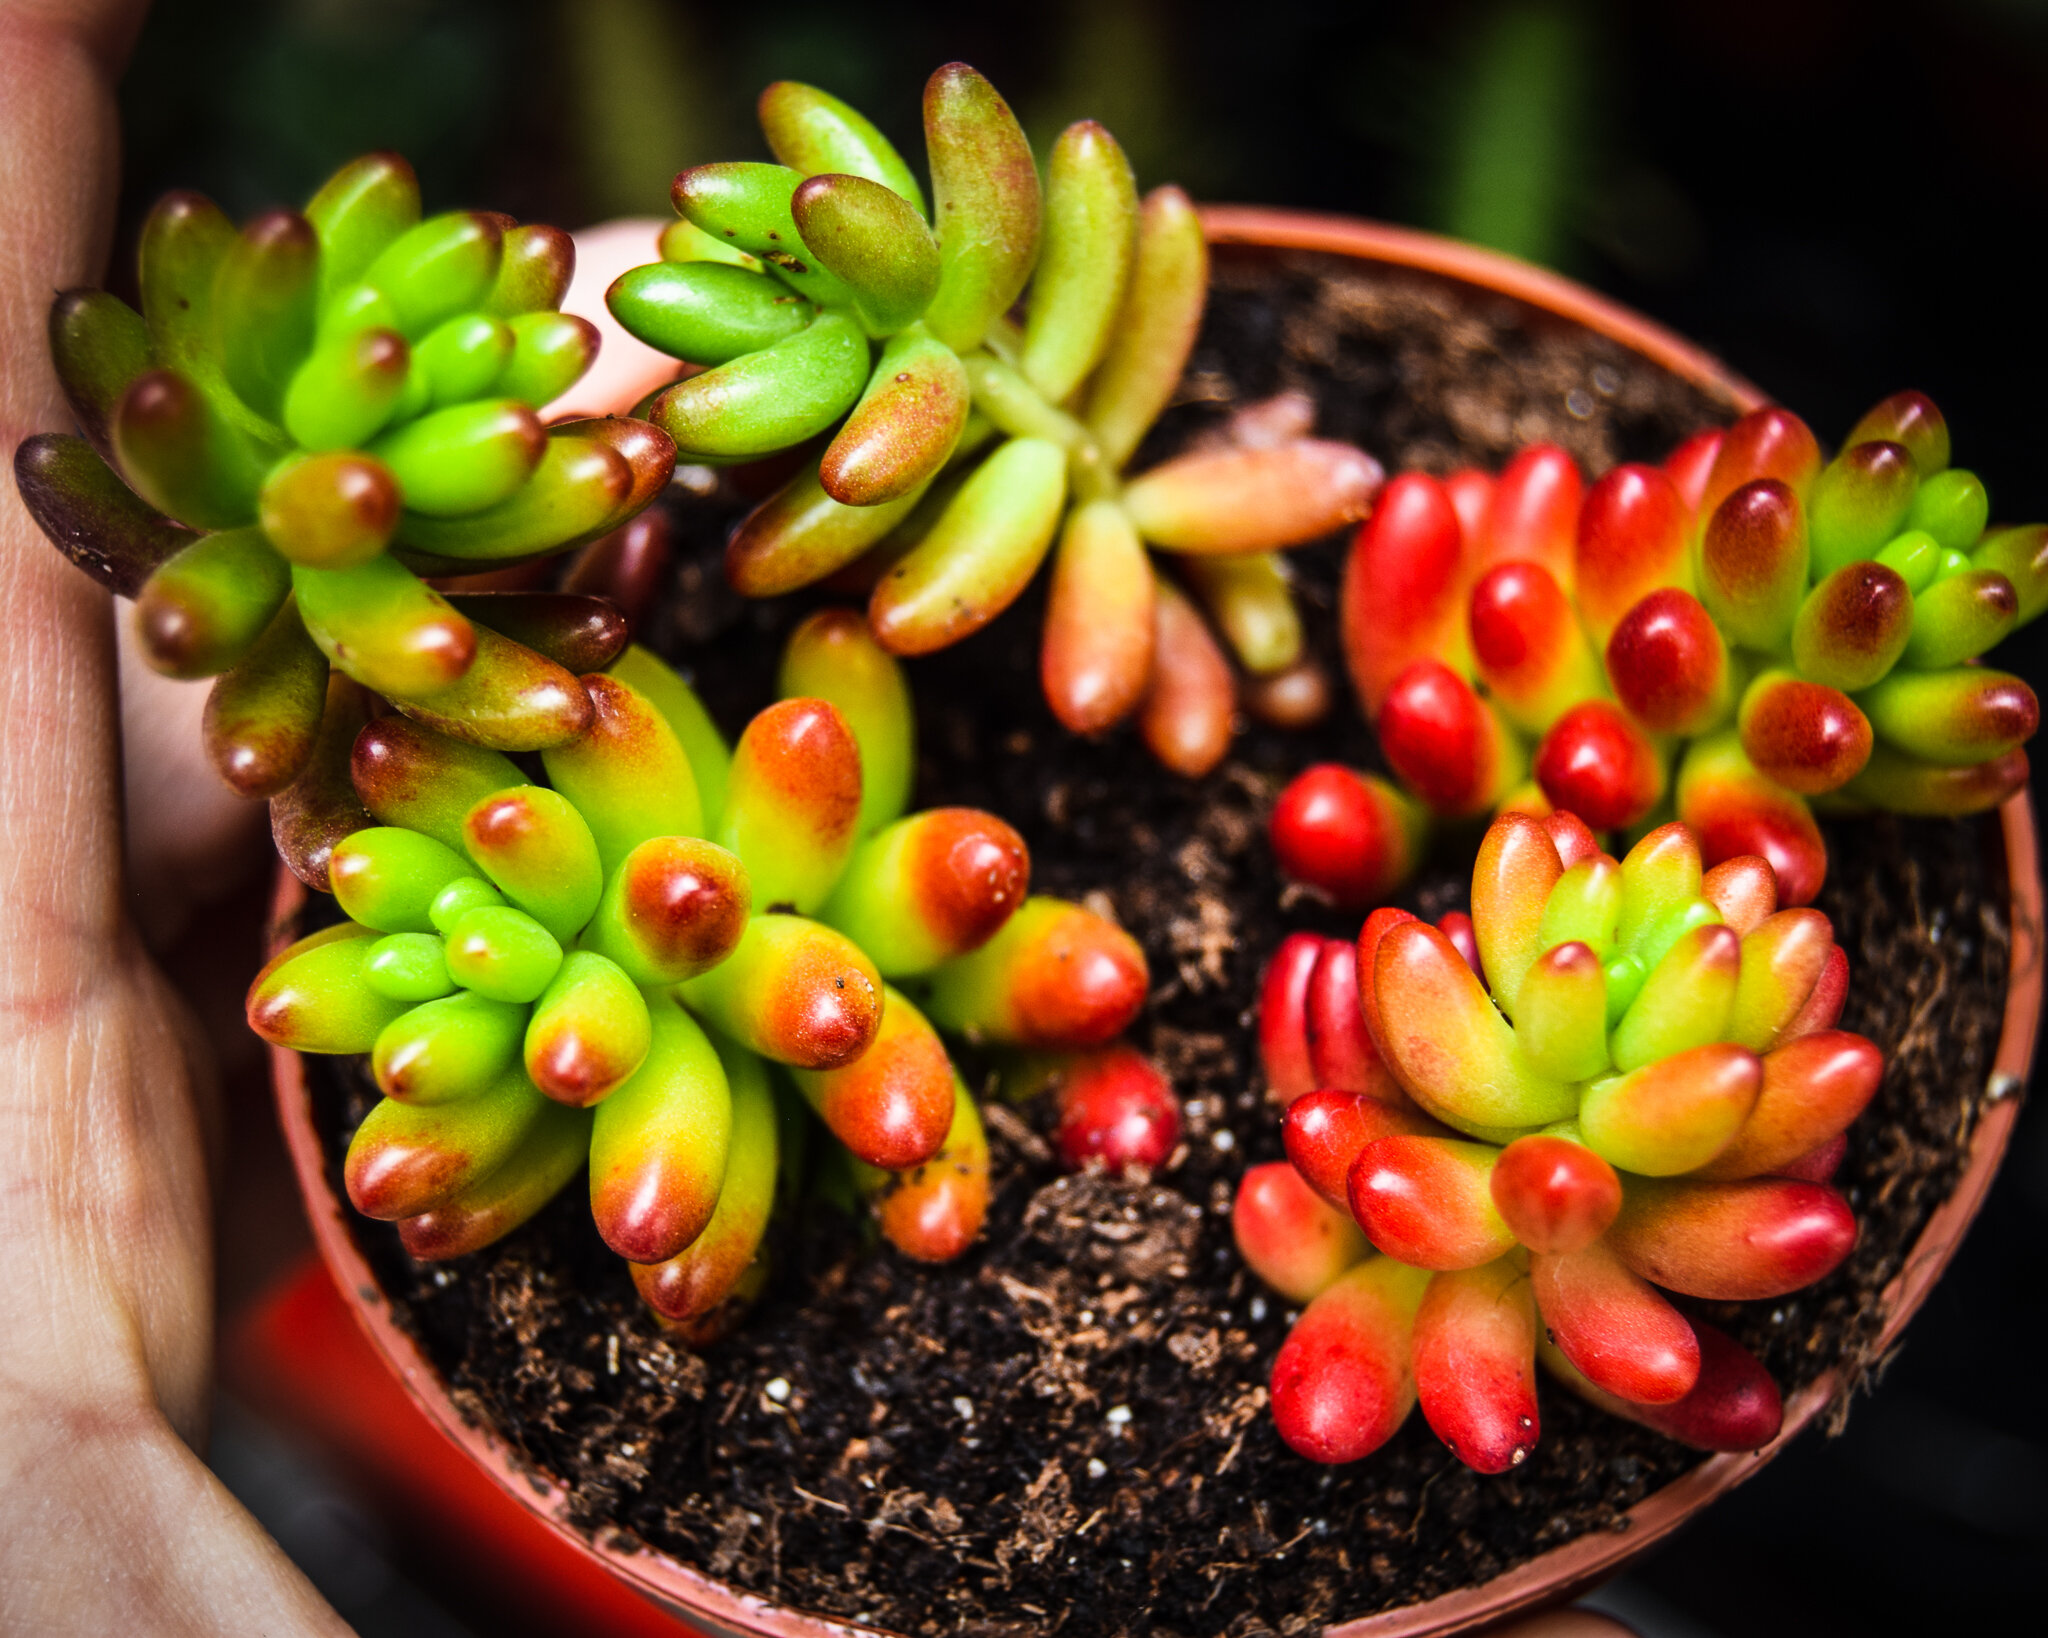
1066 1431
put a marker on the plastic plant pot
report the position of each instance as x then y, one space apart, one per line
1242 235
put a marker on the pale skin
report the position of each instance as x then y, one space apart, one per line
110 1521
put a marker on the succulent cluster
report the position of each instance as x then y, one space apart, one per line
593 957
602 968
304 414
819 297
1628 1080
711 976
1722 637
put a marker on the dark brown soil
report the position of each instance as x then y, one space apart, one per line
1066 1431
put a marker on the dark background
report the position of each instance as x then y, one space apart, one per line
1834 197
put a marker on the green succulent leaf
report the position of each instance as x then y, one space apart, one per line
264 301
770 399
550 352
462 359
905 425
183 457
99 345
869 237
746 204
379 624
985 203
202 611
1150 343
358 212
534 268
445 266
263 716
981 553
812 131
508 699
1091 234
573 494
800 534
343 395
464 458
183 243
706 312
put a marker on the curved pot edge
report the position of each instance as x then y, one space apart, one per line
1550 1577
715 1608
1260 227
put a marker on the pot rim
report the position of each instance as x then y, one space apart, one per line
1263 228
1550 1577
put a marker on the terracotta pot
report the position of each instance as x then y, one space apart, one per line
1551 1577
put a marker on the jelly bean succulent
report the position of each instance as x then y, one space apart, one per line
598 972
1111 1106
308 414
638 953
822 300
1737 636
1628 1087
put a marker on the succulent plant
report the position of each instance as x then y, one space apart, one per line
819 296
305 416
1111 1106
1354 836
1630 1085
602 969
590 961
1724 637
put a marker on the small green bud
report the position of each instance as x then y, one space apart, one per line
502 953
389 878
464 458
408 967
360 210
1953 507
444 266
458 898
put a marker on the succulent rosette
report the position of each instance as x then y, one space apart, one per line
822 300
308 414
1733 637
638 953
643 967
1628 1088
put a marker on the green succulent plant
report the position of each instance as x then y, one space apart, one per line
981 372
306 415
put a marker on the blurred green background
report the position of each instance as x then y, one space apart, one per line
1832 196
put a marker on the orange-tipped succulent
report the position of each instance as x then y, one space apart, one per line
307 415
1729 637
589 967
1636 1093
586 968
980 375
598 972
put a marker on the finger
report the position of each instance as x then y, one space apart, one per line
627 369
188 836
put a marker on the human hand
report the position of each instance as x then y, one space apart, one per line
109 1520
